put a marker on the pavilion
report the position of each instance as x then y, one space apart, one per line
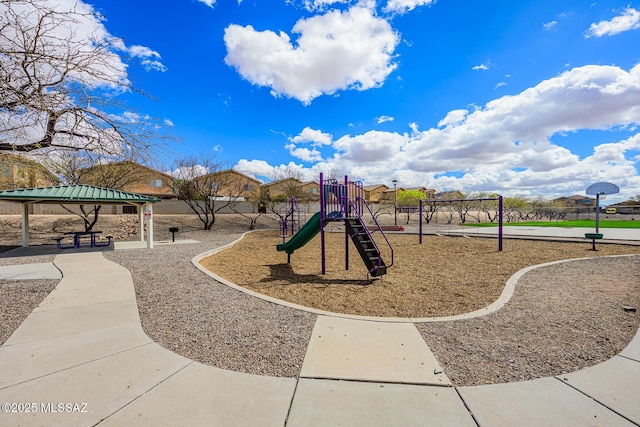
82 195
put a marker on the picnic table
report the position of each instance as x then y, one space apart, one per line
77 238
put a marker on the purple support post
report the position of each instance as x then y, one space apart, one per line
322 213
345 204
499 223
420 224
293 216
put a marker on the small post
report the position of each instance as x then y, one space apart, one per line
345 197
420 224
323 195
500 223
597 216
395 202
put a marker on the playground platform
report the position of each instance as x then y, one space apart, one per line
82 358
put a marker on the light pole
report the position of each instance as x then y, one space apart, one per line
395 202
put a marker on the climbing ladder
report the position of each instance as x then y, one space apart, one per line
348 200
366 246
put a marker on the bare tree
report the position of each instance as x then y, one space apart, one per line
88 167
287 183
207 187
60 76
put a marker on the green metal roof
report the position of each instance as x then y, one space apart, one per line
75 194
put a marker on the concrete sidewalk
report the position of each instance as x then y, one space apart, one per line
82 358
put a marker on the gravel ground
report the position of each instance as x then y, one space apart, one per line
561 318
18 298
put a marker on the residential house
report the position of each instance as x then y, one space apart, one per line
429 193
230 183
310 190
130 176
389 195
21 172
575 201
450 195
282 189
373 193
627 207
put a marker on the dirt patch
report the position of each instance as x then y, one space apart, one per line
444 276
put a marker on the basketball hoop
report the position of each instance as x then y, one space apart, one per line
600 190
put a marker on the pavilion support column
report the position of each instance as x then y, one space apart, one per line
25 224
141 222
148 208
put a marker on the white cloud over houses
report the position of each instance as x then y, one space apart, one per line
628 20
324 59
506 145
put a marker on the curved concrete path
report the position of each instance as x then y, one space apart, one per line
82 358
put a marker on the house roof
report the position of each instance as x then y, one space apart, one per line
75 194
280 181
226 171
391 190
575 197
625 203
373 187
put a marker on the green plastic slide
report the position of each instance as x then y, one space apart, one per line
303 236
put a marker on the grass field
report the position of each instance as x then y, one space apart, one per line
582 223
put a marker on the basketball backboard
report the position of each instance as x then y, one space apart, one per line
602 188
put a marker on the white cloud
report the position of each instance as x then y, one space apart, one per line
482 67
500 84
150 59
506 145
370 147
335 51
209 3
549 25
254 168
310 136
453 117
315 137
629 20
260 168
312 5
189 172
303 153
383 119
403 6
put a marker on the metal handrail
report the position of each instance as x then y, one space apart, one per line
360 201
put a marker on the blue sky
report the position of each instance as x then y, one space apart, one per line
519 97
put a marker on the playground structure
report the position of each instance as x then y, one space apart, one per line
425 203
341 202
291 220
